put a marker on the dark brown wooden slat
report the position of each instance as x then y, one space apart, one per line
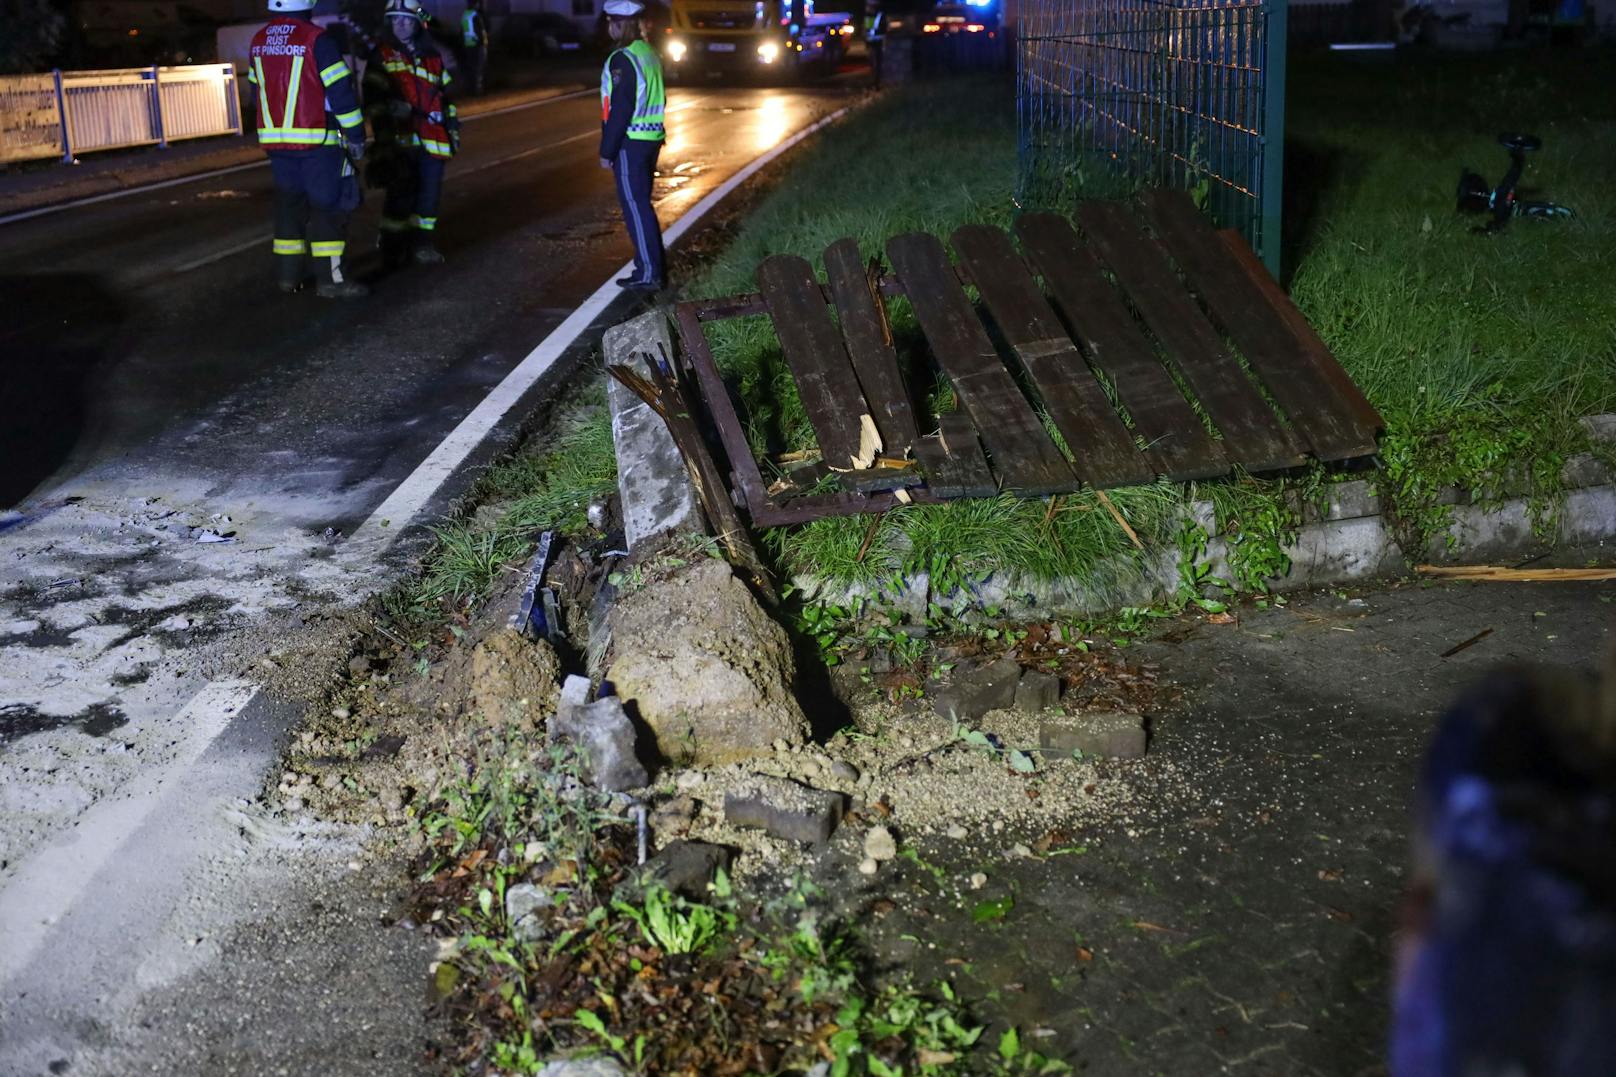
953 461
1252 435
869 345
813 350
1114 343
1023 454
1311 403
1306 335
1103 450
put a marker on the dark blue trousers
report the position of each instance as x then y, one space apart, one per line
634 170
413 193
315 191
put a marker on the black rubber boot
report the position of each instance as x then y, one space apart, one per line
425 253
332 282
395 248
290 274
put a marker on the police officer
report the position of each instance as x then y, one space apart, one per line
310 125
875 38
633 102
474 38
417 132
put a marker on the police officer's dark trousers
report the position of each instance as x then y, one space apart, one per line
634 170
315 191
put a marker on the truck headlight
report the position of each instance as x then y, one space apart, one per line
676 50
768 52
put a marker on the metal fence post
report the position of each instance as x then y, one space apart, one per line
61 114
1275 39
157 107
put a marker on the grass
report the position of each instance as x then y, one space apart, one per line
541 488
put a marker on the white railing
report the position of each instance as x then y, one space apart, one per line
66 113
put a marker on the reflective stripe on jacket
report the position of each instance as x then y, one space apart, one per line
469 30
293 88
420 81
650 97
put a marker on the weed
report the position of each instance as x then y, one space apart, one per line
677 926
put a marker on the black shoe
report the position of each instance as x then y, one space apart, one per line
425 254
634 284
341 289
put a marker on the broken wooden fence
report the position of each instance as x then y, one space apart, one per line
1140 348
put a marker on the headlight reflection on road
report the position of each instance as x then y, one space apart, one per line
773 123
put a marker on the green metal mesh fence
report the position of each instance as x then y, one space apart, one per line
1185 94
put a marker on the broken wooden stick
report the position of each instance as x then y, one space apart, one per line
662 394
1117 516
1501 574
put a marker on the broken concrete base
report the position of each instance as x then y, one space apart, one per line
785 809
709 671
972 693
604 738
1112 734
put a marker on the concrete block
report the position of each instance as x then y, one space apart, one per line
1037 692
651 479
972 693
604 737
785 809
1114 734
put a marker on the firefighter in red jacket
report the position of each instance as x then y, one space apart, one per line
417 132
310 125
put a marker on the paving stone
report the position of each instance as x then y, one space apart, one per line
1116 734
972 693
1037 692
785 809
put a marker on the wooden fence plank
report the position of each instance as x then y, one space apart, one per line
953 460
869 345
813 350
1252 435
1312 405
1023 454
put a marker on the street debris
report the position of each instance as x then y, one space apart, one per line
1472 641
785 809
1108 734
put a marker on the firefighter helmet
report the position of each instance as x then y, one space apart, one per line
291 5
407 9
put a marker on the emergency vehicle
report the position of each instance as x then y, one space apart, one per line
759 38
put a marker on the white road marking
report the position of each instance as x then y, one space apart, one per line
528 153
218 256
410 496
49 882
28 214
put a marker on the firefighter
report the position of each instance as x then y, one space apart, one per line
310 125
474 39
632 103
417 132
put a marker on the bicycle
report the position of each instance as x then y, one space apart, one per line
1501 201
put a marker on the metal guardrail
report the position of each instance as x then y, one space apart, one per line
66 113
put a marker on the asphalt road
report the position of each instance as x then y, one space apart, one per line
156 386
142 333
